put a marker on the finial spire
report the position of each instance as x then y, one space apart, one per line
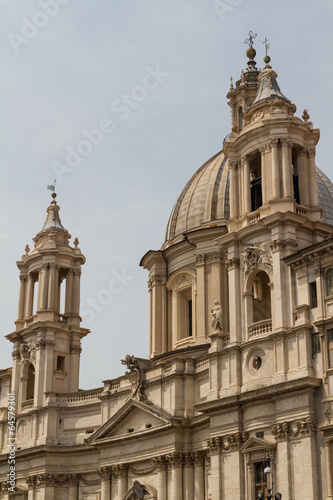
266 58
251 53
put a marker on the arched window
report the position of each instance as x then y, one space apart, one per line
261 297
329 282
30 390
240 118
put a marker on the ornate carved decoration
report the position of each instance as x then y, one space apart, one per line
305 115
160 462
188 458
277 244
312 152
199 457
304 427
182 279
75 349
43 344
155 279
200 259
214 445
263 149
136 375
23 278
234 441
175 459
27 353
273 142
119 470
16 354
4 487
232 164
327 414
256 257
105 472
233 263
77 271
285 142
42 480
142 472
280 431
216 256
258 115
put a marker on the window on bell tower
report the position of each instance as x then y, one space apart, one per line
255 179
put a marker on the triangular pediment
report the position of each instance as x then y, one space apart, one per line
256 444
133 418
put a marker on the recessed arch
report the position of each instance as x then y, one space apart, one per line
149 493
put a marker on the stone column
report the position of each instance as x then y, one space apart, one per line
69 292
329 469
303 177
201 295
283 478
45 484
76 292
247 185
105 473
120 472
234 299
23 280
176 464
233 189
161 477
313 178
216 467
73 480
157 313
264 192
286 170
31 487
275 168
188 477
52 286
29 299
42 288
199 475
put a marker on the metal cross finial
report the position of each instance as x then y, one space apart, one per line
251 37
266 44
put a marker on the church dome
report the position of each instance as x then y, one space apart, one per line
205 199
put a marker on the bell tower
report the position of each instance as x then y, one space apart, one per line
47 340
270 151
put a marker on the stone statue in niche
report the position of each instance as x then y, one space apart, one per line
216 313
136 375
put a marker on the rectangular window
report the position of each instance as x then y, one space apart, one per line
260 435
60 363
260 478
313 295
190 333
330 347
315 343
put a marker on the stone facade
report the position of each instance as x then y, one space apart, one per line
240 369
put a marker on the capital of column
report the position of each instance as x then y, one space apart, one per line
105 472
312 152
4 487
232 164
200 259
119 470
77 271
263 149
214 445
160 462
175 459
273 143
285 142
199 457
233 263
281 431
23 277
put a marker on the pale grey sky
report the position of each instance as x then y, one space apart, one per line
159 71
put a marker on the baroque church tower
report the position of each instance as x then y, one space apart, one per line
47 340
235 398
